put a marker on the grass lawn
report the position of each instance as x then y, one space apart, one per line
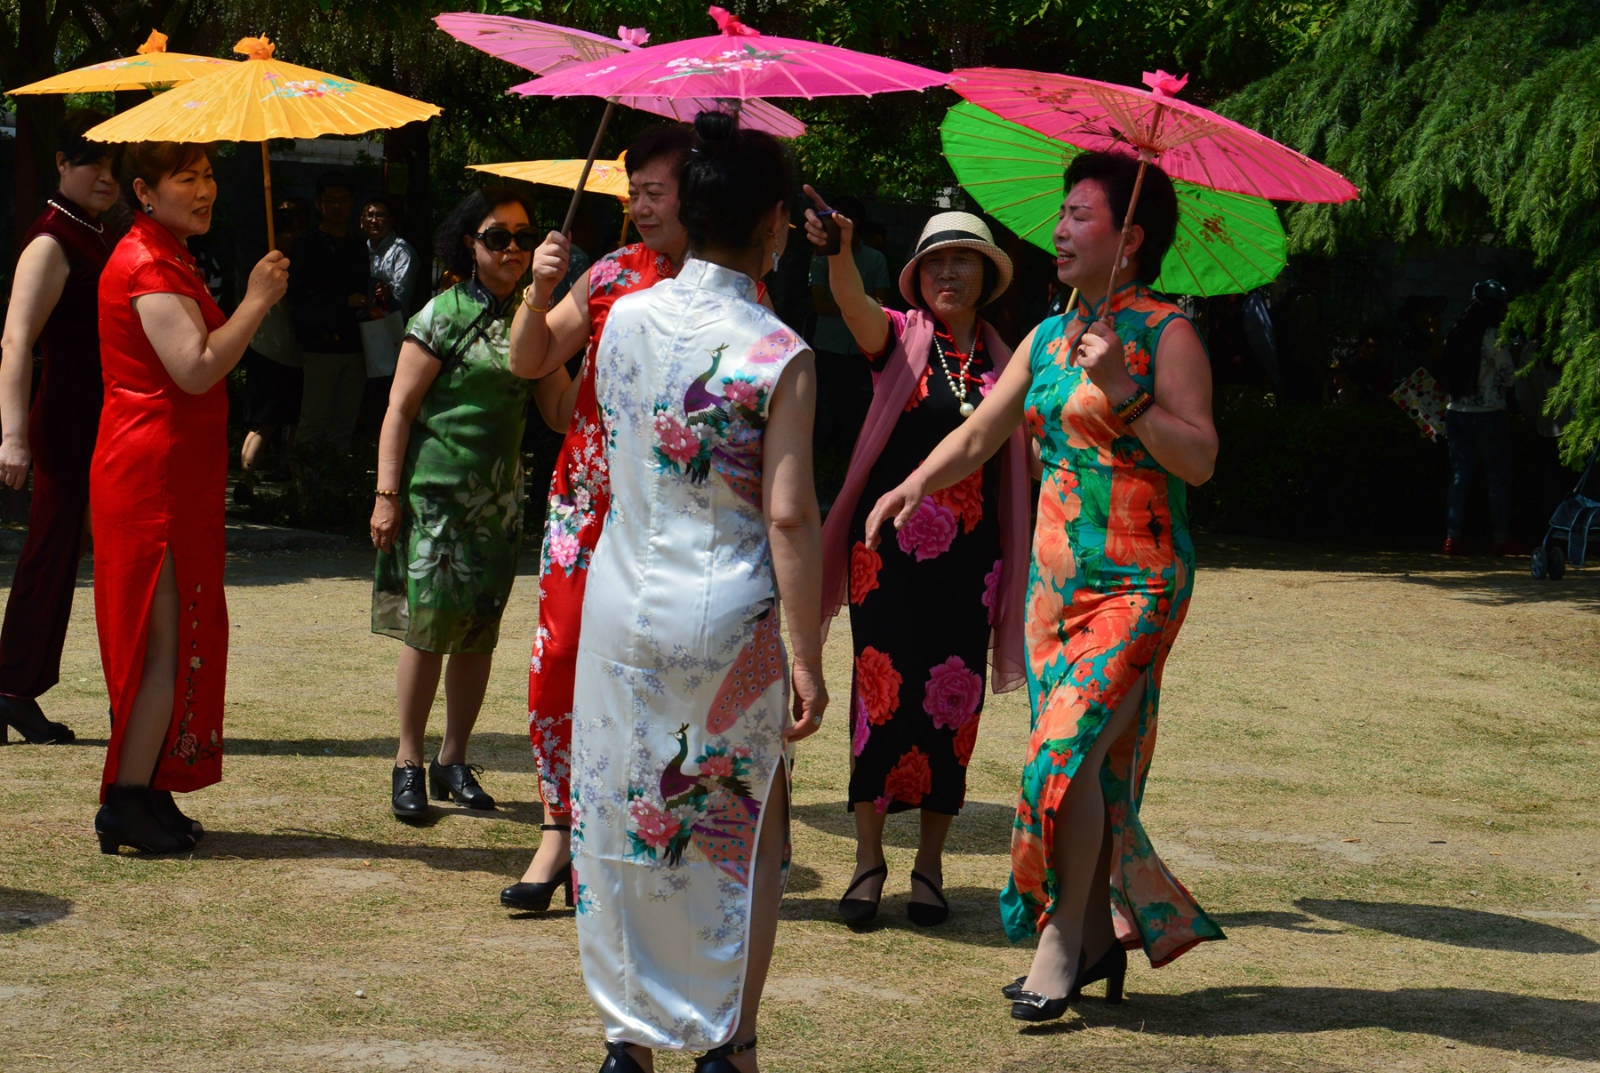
1380 772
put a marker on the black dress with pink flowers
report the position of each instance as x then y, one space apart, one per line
921 607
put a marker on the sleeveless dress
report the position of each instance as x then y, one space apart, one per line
443 586
1113 567
580 494
156 487
62 422
922 604
682 679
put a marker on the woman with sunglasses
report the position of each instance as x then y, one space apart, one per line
447 519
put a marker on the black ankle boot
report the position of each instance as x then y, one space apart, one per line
459 781
24 714
127 819
166 810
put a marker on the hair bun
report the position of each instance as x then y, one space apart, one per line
714 131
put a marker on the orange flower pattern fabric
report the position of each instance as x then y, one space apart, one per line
1110 582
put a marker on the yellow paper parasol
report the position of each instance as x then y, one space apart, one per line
152 65
259 99
605 177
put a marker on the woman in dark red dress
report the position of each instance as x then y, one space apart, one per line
52 306
156 490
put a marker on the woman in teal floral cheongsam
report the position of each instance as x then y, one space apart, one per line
1117 394
447 521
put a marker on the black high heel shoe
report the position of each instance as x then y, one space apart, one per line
459 781
618 1060
536 897
1032 1006
166 810
24 714
1112 967
926 914
858 911
127 819
716 1059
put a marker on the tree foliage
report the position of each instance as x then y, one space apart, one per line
1463 122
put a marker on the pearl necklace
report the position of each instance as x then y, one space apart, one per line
98 229
958 386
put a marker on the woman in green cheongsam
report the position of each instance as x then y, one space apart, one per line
1117 394
447 520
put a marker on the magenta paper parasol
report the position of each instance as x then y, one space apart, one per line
1189 142
737 64
545 49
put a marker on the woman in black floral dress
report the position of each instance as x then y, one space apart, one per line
926 607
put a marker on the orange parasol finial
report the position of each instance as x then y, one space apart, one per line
255 48
156 42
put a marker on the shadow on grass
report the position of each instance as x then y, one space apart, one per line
23 909
306 844
1457 927
974 916
983 827
1562 1028
488 746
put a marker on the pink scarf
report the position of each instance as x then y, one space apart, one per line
892 387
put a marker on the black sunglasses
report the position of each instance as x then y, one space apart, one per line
496 239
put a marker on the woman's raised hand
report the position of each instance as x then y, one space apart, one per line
269 279
810 698
550 262
1099 354
816 233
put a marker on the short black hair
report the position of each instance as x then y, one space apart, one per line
1156 213
330 179
657 141
71 143
731 177
464 220
154 161
378 199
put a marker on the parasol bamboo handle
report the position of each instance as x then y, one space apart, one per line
1127 225
622 239
583 176
266 187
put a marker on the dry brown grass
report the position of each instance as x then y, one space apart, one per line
1379 772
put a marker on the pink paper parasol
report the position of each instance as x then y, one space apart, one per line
737 64
545 49
1189 142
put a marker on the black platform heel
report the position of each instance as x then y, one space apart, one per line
24 714
536 897
858 911
1112 968
926 914
716 1059
618 1060
128 819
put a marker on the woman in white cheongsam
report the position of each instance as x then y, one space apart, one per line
682 715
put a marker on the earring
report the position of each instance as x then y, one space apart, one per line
474 270
149 209
774 260
1124 261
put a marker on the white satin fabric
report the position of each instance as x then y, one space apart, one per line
682 680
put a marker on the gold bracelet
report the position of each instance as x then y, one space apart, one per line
388 494
526 292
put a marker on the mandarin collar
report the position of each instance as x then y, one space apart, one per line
714 277
501 307
1121 298
159 238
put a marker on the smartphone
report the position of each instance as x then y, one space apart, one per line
830 229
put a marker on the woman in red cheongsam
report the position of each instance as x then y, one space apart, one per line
156 489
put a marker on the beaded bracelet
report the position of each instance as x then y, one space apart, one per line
1133 406
528 290
387 494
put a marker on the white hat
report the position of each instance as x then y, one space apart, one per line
964 231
